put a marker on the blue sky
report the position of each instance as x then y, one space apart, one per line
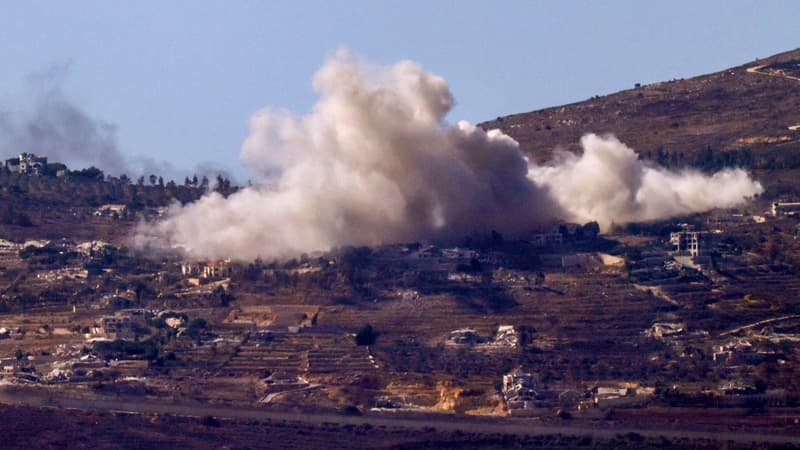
181 78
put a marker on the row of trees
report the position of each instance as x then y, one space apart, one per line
93 174
221 184
90 187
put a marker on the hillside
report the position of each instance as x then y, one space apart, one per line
679 329
747 115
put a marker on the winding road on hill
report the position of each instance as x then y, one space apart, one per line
757 69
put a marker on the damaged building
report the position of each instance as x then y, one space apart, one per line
26 163
519 389
692 243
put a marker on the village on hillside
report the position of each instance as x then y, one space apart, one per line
561 322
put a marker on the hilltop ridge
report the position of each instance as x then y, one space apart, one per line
752 108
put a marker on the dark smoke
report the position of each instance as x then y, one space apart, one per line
48 123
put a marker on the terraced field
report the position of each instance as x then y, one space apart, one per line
296 354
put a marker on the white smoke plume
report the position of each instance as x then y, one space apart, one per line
608 183
375 162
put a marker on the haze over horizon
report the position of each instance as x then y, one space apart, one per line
176 83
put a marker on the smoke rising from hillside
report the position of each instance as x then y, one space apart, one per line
375 162
608 183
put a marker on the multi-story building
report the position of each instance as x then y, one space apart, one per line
519 389
27 163
691 243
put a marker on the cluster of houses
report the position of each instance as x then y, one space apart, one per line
86 248
67 364
724 217
741 351
520 393
76 272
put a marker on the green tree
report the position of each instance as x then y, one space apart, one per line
366 335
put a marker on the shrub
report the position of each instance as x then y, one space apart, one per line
366 335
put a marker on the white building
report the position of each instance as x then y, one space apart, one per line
785 208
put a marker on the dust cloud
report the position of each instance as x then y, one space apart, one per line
375 162
608 183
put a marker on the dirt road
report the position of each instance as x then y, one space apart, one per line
34 397
757 69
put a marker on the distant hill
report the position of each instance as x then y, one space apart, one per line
747 115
